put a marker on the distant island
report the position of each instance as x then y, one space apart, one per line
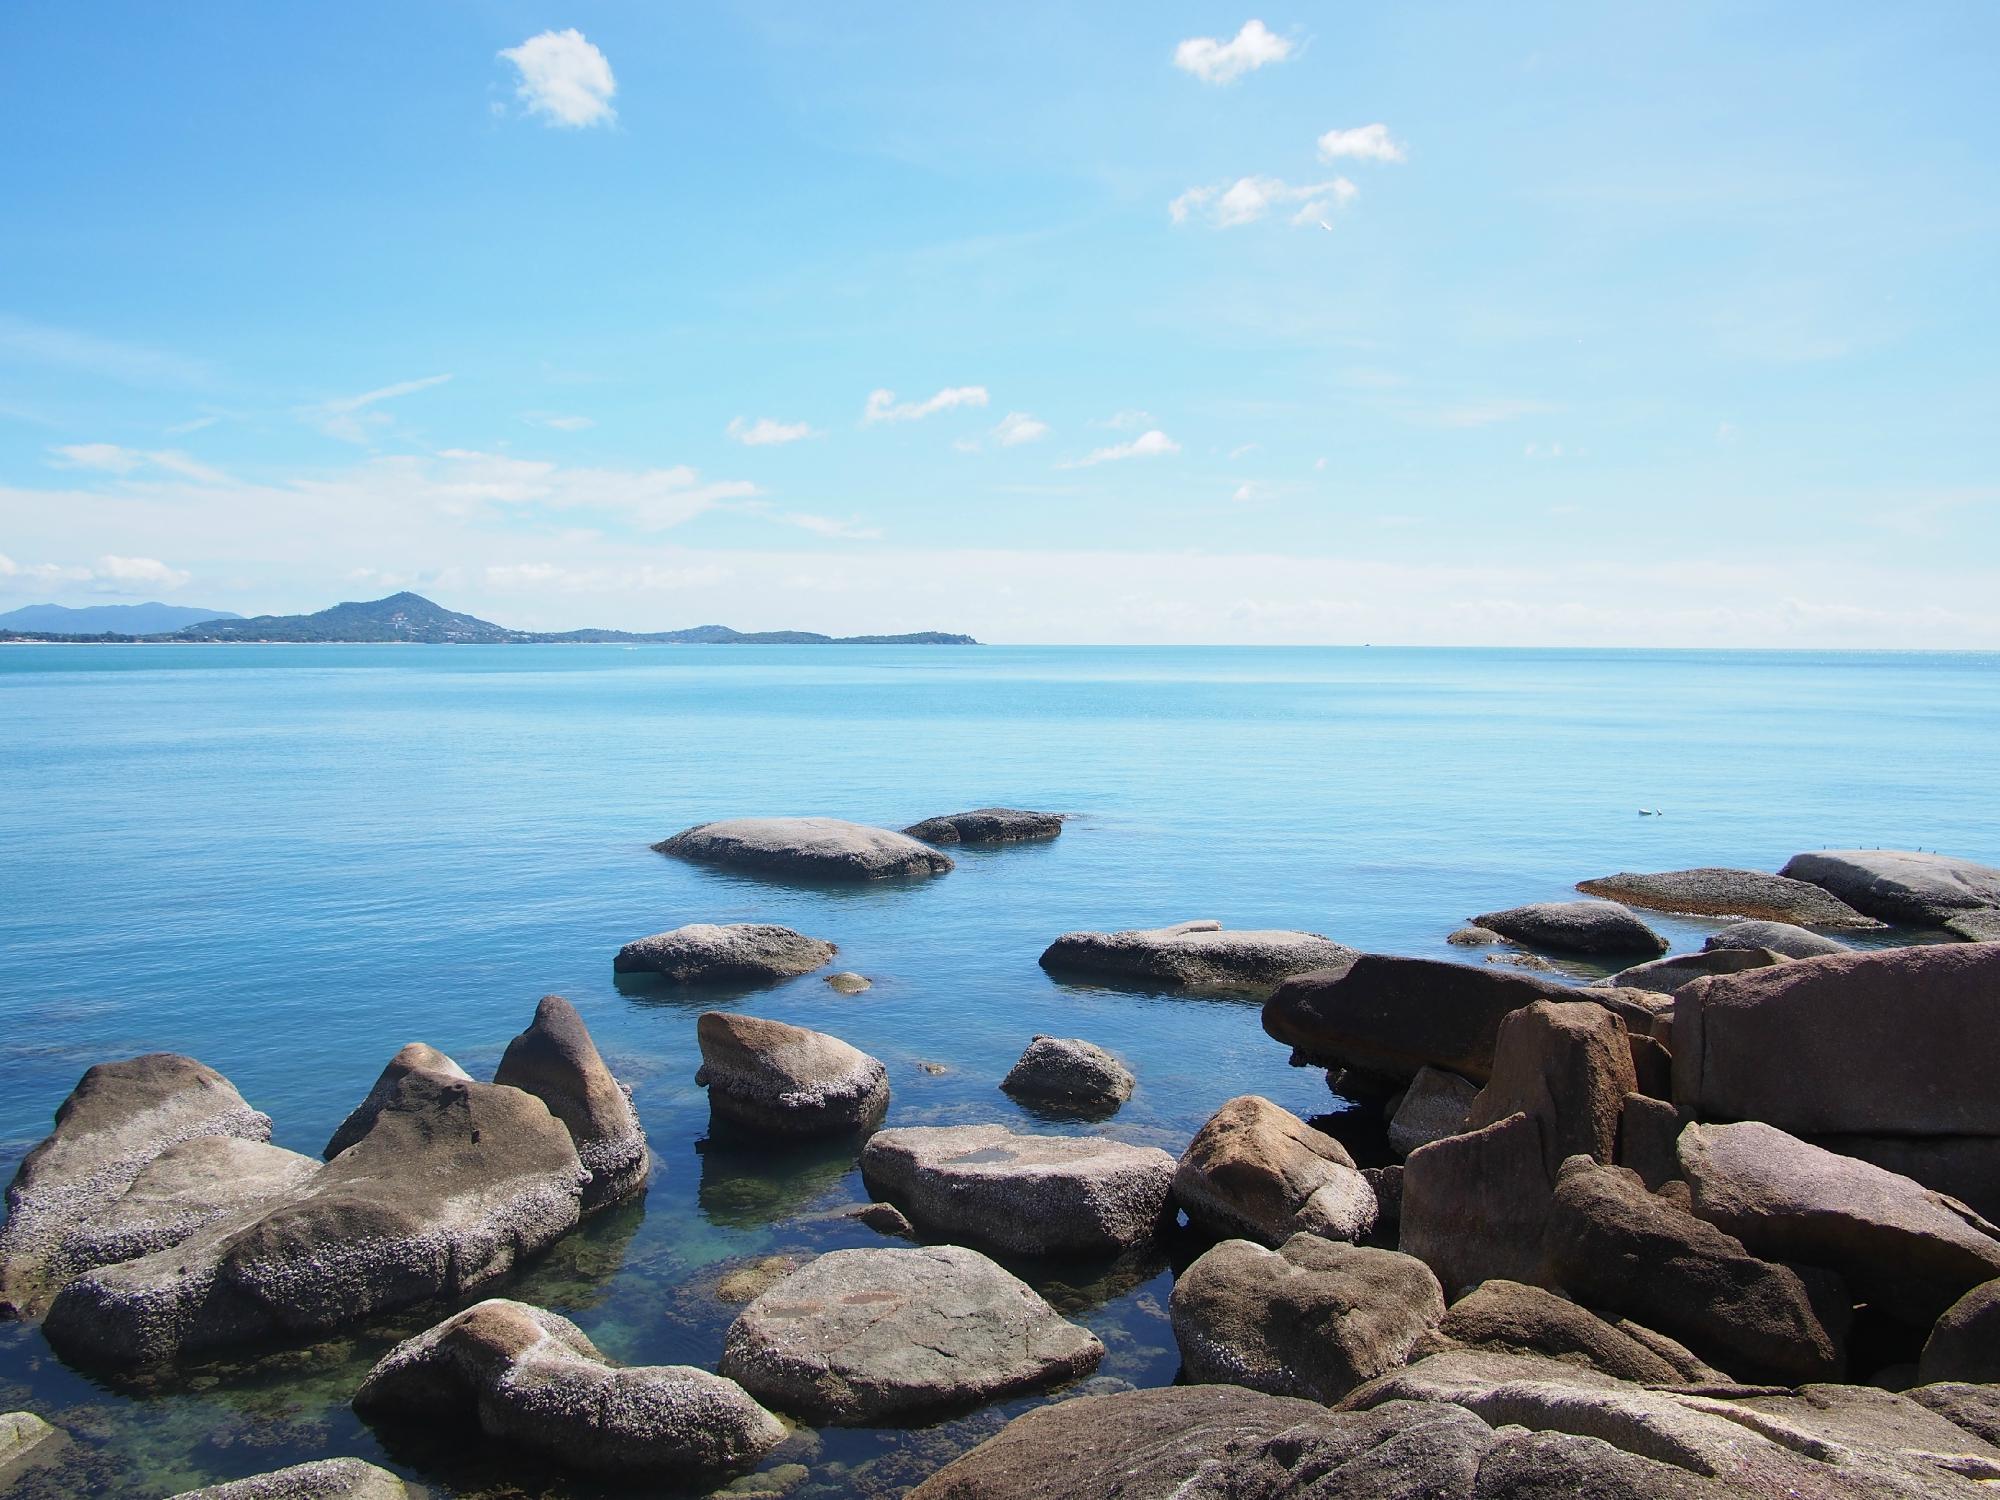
96 619
416 620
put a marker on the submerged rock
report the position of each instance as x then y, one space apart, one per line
811 848
1902 885
1714 892
416 1057
738 952
1776 937
1258 1170
1071 1072
1575 927
556 1061
530 1378
863 1337
1665 975
777 1079
322 1479
21 1434
1196 956
1025 1194
987 825
847 982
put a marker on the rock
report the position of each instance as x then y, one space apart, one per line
1260 1171
1777 937
1653 1065
1965 1344
785 1080
1556 1465
1473 937
1745 894
119 1117
1900 885
1195 956
1665 975
1474 1204
1649 1132
1024 1194
987 825
531 1379
1862 1417
1613 1245
416 1057
864 1337
847 982
1312 1318
1387 1183
1965 1167
556 1061
1897 1042
1901 1247
1531 961
1510 1317
746 1283
1069 1072
734 953
883 1218
22 1433
454 1185
1569 1066
1575 927
1434 1106
1970 1408
806 848
322 1479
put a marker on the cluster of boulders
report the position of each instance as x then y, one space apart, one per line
831 849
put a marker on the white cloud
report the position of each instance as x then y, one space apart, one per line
1245 493
829 526
564 79
85 353
1153 444
1125 421
349 418
109 458
1242 448
557 422
1249 199
147 570
767 431
1215 61
462 482
882 405
1017 427
1362 143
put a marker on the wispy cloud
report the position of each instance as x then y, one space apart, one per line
349 417
1486 412
1125 421
1362 143
558 422
111 573
768 432
883 407
564 79
1249 199
1017 427
109 458
1153 444
1213 60
86 354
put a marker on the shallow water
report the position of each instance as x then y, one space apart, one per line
288 861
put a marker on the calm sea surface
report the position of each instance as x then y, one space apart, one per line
289 861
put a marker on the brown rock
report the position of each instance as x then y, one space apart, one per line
1434 1106
1965 1344
556 1061
1256 1169
1474 1204
1744 894
1649 1132
1569 1066
1513 1318
776 1079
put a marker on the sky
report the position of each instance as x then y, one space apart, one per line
1605 323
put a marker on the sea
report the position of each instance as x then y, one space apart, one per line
288 861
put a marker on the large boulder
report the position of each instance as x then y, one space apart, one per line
1902 885
1023 1194
1474 1205
1665 975
455 1185
863 1337
1195 956
119 1117
1513 1318
1745 894
1612 1245
1968 1407
1069 1073
1965 1167
1258 1170
806 848
1432 1107
1775 937
1900 1246
1574 927
1965 1343
987 825
1568 1065
784 1080
529 1378
415 1057
322 1479
1897 1042
1313 1318
556 1061
724 953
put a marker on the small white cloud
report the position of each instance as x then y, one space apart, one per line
558 422
349 418
1362 143
1242 448
767 432
1017 427
1319 466
883 407
1249 199
109 458
1126 421
147 570
852 531
1245 493
1153 444
1213 60
564 78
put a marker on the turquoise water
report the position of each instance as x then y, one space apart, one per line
288 861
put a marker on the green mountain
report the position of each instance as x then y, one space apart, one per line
126 619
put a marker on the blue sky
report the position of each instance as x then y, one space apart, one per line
1454 323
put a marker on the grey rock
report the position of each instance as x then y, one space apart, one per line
1434 1106
860 1337
785 1080
322 1479
847 982
1475 1205
987 825
1968 1407
1554 1465
1902 885
1965 1167
21 1434
883 1218
1575 927
1665 975
1512 1318
1199 957
1568 1065
529 1378
415 1057
185 1188
1965 1343
1777 937
1745 894
732 952
1469 936
810 848
1071 1072
116 1120
1259 1171
1023 1194
556 1061
1862 1417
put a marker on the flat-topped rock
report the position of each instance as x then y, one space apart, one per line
1196 956
322 1479
778 1079
1069 1073
1903 885
1258 1170
1775 937
1024 1194
1750 895
119 1117
727 952
1574 927
807 848
556 1061
987 825
859 1337
526 1377
1665 975
414 1057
